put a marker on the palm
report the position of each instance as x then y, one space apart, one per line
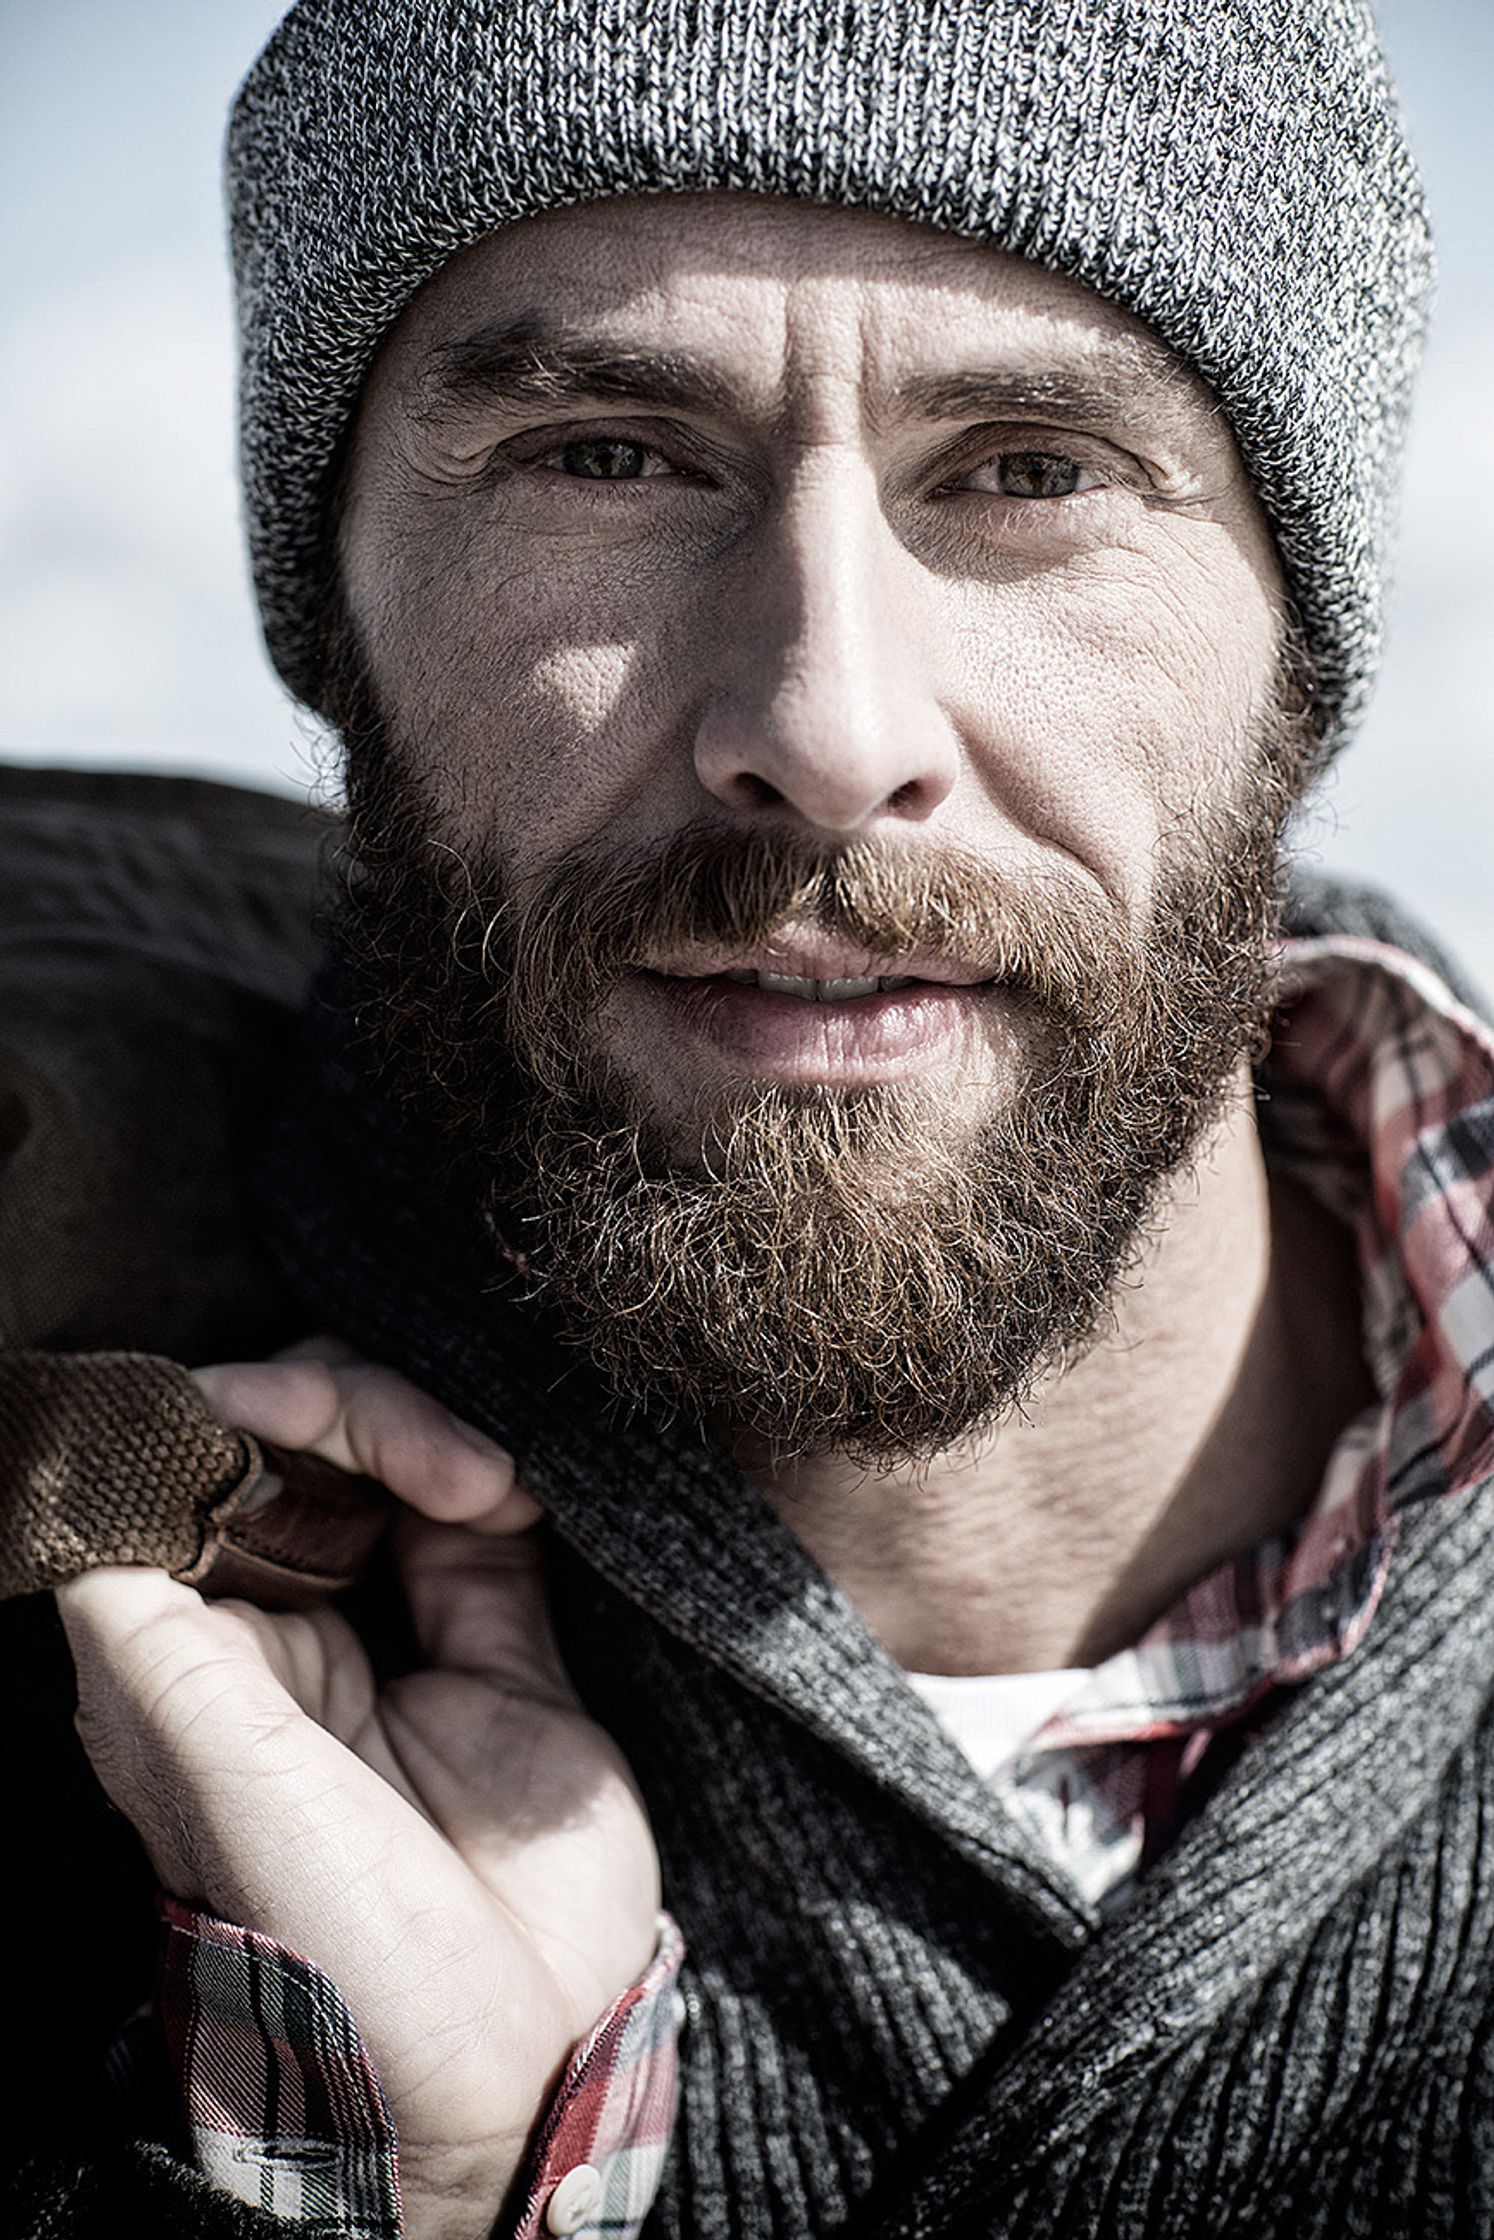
524 1799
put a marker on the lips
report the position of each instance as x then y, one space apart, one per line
811 1006
812 1032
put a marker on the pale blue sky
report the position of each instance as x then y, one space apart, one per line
126 629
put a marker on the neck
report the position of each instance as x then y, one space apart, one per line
1197 1426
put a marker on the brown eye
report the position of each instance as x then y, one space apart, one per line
603 459
1037 474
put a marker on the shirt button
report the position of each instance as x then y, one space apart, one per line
575 2200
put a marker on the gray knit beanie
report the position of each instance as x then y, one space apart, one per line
1232 171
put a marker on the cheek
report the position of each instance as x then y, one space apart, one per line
542 706
1102 703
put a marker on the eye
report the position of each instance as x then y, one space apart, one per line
603 459
1033 474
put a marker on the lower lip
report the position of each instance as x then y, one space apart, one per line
784 1038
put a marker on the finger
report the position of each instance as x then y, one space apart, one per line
481 1605
121 1619
108 1616
321 1347
295 1404
370 1419
111 1601
149 1655
232 1740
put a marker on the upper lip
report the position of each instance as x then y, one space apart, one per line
819 957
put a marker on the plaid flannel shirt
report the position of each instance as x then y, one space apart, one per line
1381 1101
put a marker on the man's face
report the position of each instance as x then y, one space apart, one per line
758 604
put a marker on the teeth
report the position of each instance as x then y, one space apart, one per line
841 991
816 991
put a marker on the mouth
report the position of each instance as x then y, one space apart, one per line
810 1011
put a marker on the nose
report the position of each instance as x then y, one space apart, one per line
825 704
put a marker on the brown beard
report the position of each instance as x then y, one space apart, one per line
821 1270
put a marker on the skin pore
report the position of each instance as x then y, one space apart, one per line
723 510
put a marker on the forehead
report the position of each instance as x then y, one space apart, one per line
766 290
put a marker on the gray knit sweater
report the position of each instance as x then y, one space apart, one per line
901 2024
901 2020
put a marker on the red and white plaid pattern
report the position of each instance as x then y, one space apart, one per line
615 2106
281 2099
1380 1101
285 2110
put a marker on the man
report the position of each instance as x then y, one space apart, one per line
835 538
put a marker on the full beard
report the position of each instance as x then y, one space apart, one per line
819 1270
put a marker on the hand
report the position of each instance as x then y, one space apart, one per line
463 1850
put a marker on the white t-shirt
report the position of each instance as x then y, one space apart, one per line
994 1715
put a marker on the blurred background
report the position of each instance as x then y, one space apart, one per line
127 632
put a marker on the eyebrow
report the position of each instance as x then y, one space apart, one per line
529 362
1117 375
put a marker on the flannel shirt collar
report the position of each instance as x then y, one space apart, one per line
1379 1097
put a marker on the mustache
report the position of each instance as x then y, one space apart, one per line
554 947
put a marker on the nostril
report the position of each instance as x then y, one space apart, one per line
756 792
912 795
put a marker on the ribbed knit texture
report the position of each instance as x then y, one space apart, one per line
902 2022
1234 174
1292 2033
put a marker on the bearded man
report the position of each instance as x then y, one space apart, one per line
936 1370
